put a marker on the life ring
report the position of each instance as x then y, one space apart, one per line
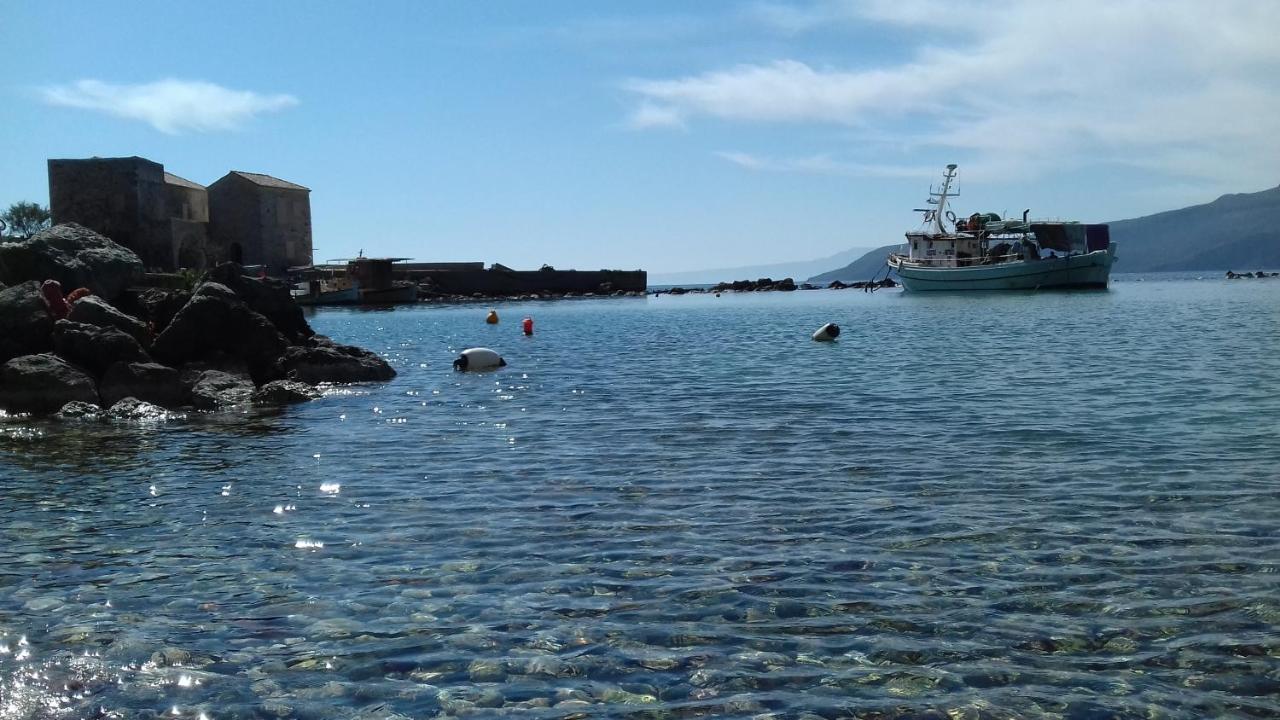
951 216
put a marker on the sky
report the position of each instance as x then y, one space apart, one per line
667 136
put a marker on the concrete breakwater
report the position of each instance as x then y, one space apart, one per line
460 281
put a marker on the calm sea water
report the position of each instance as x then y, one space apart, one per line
1025 505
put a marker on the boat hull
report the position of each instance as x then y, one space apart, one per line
1091 270
349 296
406 293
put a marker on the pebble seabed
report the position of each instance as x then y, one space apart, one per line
559 539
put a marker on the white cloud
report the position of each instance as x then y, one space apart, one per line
821 165
1182 87
170 106
649 115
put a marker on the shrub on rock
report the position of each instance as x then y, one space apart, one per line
43 383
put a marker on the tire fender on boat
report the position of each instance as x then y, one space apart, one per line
478 359
827 333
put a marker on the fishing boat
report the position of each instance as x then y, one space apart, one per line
363 281
985 252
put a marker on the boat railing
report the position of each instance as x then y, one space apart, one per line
951 261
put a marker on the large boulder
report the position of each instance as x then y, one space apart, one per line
216 321
215 389
95 348
150 382
283 392
43 383
157 306
25 322
267 296
74 256
323 360
93 310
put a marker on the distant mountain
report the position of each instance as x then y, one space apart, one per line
796 270
860 270
1238 232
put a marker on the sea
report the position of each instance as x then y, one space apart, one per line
1024 505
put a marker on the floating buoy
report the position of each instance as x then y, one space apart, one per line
527 324
492 319
478 359
827 333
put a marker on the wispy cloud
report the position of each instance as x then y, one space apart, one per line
820 165
1182 87
649 115
170 106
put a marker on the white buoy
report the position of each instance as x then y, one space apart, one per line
827 333
478 359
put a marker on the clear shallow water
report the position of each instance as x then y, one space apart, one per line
1039 505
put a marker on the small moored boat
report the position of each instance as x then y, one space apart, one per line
984 252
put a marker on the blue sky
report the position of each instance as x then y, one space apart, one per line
660 135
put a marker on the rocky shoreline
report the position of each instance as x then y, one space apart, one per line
110 347
771 285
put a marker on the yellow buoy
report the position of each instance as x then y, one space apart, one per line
493 317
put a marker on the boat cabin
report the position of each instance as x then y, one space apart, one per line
994 241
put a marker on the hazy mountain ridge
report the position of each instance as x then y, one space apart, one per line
798 270
1240 232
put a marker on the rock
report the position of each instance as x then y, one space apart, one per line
326 361
95 348
214 321
93 310
785 285
216 389
79 410
132 408
267 296
25 322
156 305
282 392
151 382
43 383
74 256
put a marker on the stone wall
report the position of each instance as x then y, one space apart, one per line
258 225
124 199
520 282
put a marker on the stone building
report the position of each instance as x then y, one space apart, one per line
261 220
187 205
172 222
122 198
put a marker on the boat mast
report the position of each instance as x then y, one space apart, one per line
940 199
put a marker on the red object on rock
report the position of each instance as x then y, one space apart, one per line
52 291
76 294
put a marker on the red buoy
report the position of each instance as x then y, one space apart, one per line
527 324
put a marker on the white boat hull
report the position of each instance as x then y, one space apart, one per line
1092 270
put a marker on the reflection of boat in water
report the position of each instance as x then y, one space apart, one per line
983 252
363 281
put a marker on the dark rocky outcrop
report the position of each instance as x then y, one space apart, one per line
216 321
132 408
43 383
232 338
95 348
282 392
152 382
74 256
323 360
266 296
215 389
79 410
25 322
96 311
